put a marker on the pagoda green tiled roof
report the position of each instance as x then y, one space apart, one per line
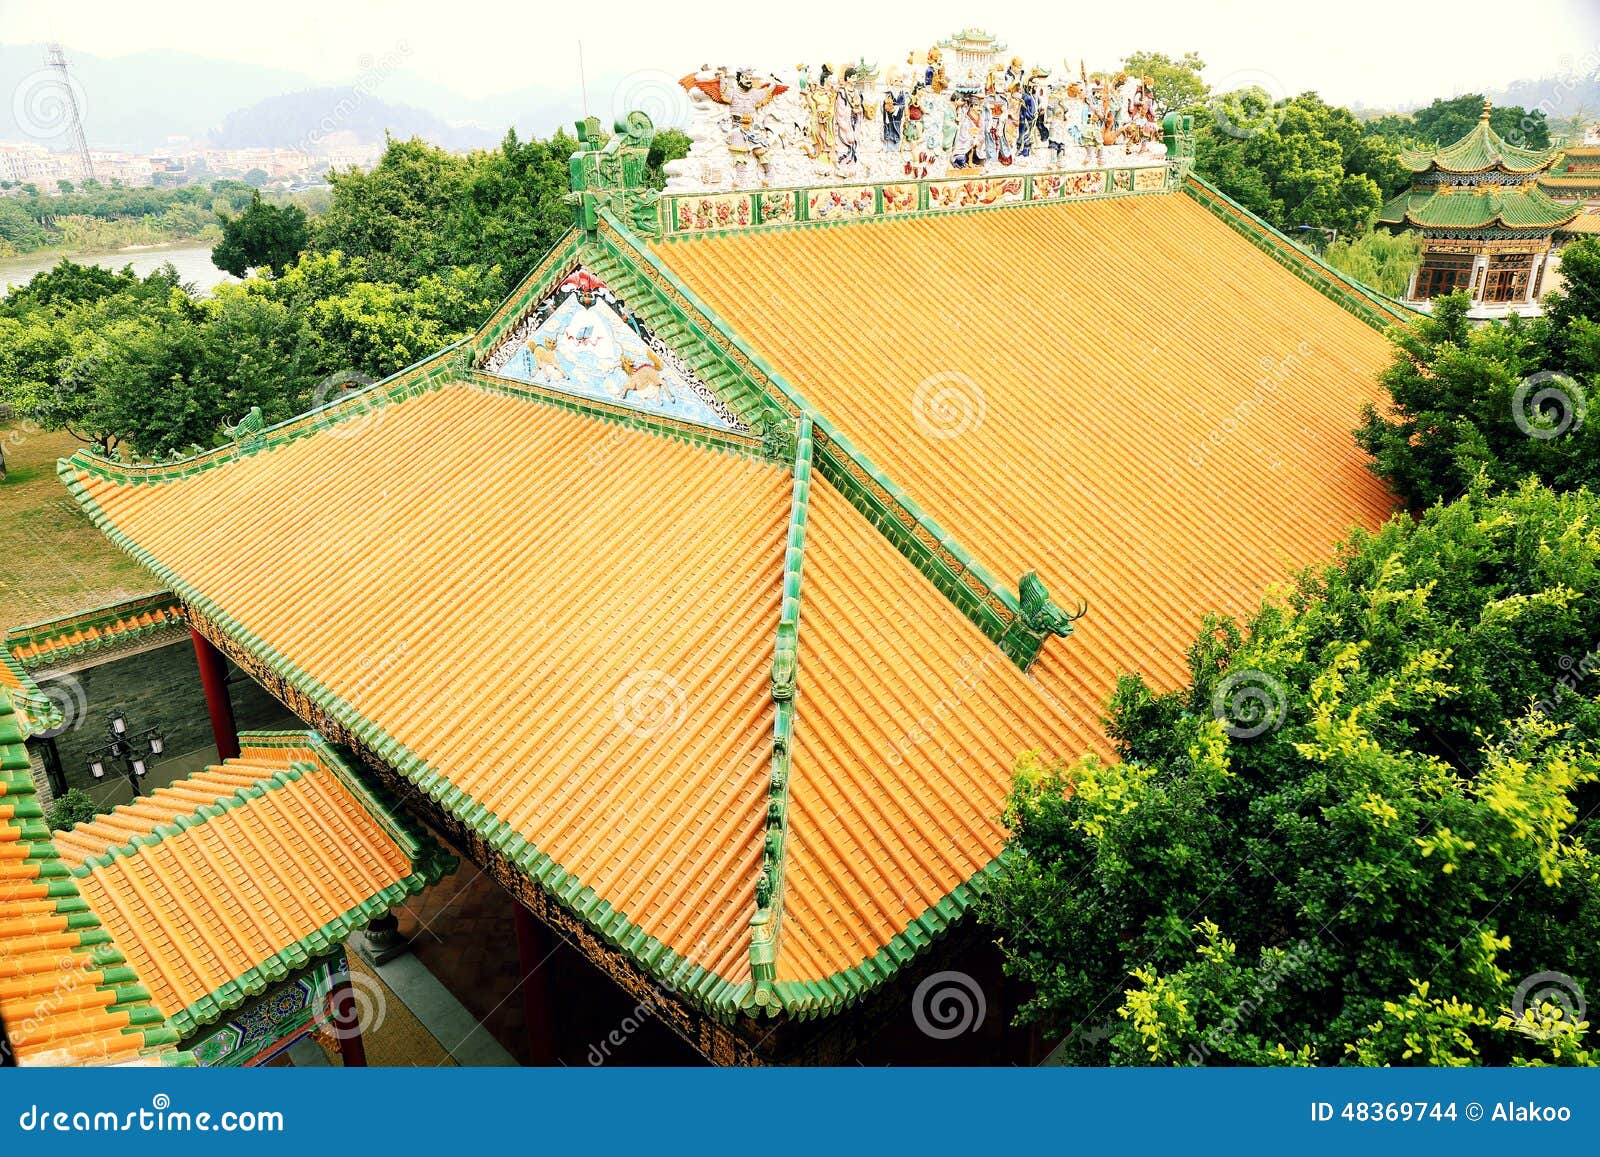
1527 207
1479 151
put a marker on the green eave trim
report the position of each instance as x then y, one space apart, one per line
117 976
809 999
421 377
1363 301
52 634
717 995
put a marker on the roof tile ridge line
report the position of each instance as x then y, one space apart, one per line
766 924
708 990
616 414
528 293
144 1019
756 408
1380 303
427 373
25 633
960 577
430 863
202 813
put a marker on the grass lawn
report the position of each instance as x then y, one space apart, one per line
52 559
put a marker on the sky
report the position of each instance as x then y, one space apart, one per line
1371 52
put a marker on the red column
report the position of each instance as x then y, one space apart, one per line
214 681
535 945
347 1025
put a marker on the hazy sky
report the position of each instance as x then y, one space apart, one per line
1377 52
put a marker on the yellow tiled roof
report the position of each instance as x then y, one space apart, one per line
67 993
560 625
229 880
1135 400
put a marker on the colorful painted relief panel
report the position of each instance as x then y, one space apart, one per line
1122 181
281 1016
975 192
778 207
715 211
1149 180
841 204
1054 186
900 198
583 340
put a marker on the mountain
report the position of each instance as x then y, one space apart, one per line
139 101
299 119
143 100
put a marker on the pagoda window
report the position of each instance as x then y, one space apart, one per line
1443 273
1508 278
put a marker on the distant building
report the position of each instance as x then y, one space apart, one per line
1488 226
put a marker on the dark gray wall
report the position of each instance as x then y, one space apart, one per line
160 687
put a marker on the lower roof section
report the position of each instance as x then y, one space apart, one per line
564 632
226 882
68 995
1126 395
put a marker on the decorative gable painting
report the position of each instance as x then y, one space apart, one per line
582 339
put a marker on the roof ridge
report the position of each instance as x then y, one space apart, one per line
766 924
178 824
1019 623
250 435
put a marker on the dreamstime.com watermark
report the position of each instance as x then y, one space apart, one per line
1250 703
1268 981
1547 405
158 1117
948 1004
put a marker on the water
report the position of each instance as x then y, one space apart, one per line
193 263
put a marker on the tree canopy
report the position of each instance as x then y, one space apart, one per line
264 236
1508 400
1304 854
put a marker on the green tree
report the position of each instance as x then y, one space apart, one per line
1303 855
1294 162
1446 121
1507 400
1177 80
262 237
71 809
1380 259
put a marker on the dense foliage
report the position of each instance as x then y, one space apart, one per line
1448 120
264 236
1355 832
1506 400
70 809
138 364
1383 260
97 216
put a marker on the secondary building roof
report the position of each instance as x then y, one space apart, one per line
67 993
229 880
1490 206
1481 150
122 936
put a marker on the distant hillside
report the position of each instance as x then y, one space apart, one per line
139 101
1562 99
292 119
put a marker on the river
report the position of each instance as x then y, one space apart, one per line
193 263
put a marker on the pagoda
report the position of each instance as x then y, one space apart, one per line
1487 226
1575 179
